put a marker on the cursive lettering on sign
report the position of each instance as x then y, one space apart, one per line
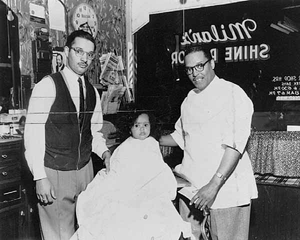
234 32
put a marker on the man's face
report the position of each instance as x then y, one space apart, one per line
79 64
200 78
58 60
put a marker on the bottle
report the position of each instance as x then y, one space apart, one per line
11 129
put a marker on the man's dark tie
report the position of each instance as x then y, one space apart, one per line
81 103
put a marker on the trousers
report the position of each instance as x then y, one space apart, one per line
58 220
224 224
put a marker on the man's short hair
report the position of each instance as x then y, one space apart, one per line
81 34
59 55
198 48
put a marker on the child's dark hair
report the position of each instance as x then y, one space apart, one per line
126 122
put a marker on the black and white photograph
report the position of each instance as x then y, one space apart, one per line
58 60
149 120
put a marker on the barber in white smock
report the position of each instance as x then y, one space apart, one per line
213 130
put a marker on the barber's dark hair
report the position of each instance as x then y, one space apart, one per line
198 48
61 56
80 34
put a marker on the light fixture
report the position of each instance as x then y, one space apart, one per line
291 24
286 26
283 25
10 16
279 28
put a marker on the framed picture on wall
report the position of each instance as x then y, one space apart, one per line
58 59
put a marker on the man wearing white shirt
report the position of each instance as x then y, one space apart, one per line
58 144
213 130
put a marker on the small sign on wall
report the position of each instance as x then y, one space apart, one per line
37 13
56 15
285 87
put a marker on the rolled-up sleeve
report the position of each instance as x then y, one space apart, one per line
177 135
242 109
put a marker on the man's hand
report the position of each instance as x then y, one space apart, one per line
106 158
206 195
45 191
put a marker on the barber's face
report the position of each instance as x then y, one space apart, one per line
79 64
201 77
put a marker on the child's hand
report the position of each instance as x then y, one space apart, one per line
107 164
106 157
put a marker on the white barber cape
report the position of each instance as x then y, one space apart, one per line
134 200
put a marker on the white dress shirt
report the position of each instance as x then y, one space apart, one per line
42 98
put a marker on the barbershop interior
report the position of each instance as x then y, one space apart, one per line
139 60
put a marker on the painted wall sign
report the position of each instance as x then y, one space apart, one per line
233 32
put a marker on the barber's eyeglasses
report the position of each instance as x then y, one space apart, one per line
79 53
199 68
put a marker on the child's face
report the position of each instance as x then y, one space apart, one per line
141 127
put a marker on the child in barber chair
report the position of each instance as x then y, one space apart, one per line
133 200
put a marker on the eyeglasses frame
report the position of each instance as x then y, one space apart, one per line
79 53
195 68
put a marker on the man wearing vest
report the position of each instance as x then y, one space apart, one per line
62 129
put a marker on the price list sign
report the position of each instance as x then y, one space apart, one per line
286 88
